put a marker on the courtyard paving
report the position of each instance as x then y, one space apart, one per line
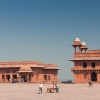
10 91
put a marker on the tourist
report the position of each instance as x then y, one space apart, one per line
57 88
53 86
13 81
90 83
9 80
40 88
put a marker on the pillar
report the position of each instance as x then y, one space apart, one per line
27 78
79 48
74 49
11 77
31 78
4 77
0 77
6 80
18 76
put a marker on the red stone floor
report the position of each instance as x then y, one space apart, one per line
16 91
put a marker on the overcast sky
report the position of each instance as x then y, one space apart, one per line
44 30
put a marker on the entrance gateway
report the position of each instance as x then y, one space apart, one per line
24 78
93 76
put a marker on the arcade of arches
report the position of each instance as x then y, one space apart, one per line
28 71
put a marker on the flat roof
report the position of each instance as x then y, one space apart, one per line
85 58
24 71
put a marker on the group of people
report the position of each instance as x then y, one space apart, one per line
54 86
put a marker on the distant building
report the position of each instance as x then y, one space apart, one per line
86 63
28 71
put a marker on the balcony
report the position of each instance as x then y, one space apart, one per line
85 69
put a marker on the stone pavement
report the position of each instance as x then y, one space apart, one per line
9 91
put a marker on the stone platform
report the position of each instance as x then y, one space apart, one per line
15 91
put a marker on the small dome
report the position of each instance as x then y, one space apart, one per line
83 43
76 39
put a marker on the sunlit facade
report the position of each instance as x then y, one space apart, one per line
86 63
28 71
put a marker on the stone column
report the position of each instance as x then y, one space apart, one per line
19 80
17 76
4 77
6 80
11 77
0 77
79 48
31 78
74 49
27 78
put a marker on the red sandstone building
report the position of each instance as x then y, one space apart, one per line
86 63
28 71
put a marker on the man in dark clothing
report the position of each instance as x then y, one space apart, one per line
90 83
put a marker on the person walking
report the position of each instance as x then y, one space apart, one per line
40 88
90 83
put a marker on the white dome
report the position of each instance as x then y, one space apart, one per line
83 43
76 39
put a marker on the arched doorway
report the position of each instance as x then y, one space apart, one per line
93 76
24 78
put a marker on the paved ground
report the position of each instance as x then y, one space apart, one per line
9 91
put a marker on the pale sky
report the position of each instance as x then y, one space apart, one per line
44 30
